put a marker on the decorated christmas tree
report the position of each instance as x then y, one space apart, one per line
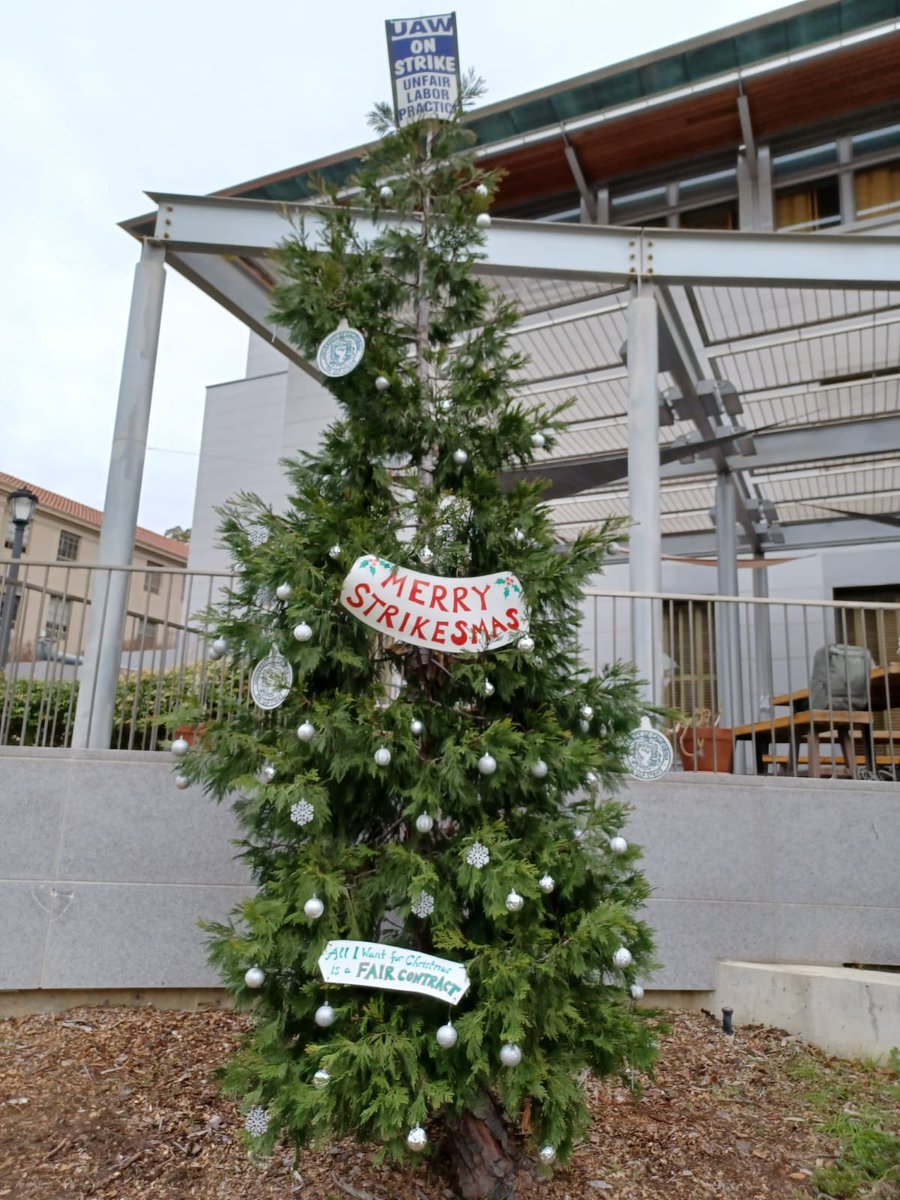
444 937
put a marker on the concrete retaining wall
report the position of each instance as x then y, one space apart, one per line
105 869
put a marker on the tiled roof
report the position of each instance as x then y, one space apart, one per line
53 502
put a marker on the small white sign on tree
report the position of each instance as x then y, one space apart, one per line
393 968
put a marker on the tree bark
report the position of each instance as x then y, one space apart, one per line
482 1157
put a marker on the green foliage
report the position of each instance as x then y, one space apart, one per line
861 1112
385 482
149 705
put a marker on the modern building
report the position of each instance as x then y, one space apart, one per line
61 545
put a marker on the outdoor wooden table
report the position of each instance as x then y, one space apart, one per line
800 725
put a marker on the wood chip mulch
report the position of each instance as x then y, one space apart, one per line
118 1104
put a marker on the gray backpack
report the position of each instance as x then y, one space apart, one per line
840 678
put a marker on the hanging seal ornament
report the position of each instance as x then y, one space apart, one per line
650 753
341 351
271 680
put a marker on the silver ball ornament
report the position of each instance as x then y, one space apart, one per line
482 190
416 727
489 688
586 712
302 632
637 992
546 883
447 1037
417 1138
460 457
254 977
519 535
182 782
220 646
426 555
539 769
382 383
306 732
483 221
538 440
335 551
618 845
283 591
584 726
321 1079
314 908
180 747
622 958
382 756
547 1155
514 901
487 764
510 1054
267 773
386 192
325 1016
590 779
424 822
526 644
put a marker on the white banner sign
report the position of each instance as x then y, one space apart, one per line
452 615
370 964
424 59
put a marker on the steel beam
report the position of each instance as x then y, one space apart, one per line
223 225
103 651
798 536
728 637
645 573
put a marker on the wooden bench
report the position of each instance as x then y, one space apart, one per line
808 727
886 743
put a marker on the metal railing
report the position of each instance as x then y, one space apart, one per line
165 654
732 673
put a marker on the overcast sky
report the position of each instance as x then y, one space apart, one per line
102 99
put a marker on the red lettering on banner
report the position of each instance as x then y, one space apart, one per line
481 630
482 595
513 617
359 591
397 581
415 590
376 600
437 595
497 627
459 600
461 636
390 611
418 629
404 622
440 628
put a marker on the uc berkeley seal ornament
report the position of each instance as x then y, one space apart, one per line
650 754
341 351
271 680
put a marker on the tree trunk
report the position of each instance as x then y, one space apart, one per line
482 1162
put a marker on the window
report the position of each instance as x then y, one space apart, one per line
147 632
67 550
878 191
807 206
56 624
705 201
689 645
152 579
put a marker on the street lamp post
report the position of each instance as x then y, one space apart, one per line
22 504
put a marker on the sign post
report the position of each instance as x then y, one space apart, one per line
423 53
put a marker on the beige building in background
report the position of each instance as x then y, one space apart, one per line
61 544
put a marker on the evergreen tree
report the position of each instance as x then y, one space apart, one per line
485 838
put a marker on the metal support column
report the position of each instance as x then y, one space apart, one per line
109 599
763 636
728 629
645 547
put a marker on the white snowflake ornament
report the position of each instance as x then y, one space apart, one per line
302 812
423 905
256 1121
478 856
